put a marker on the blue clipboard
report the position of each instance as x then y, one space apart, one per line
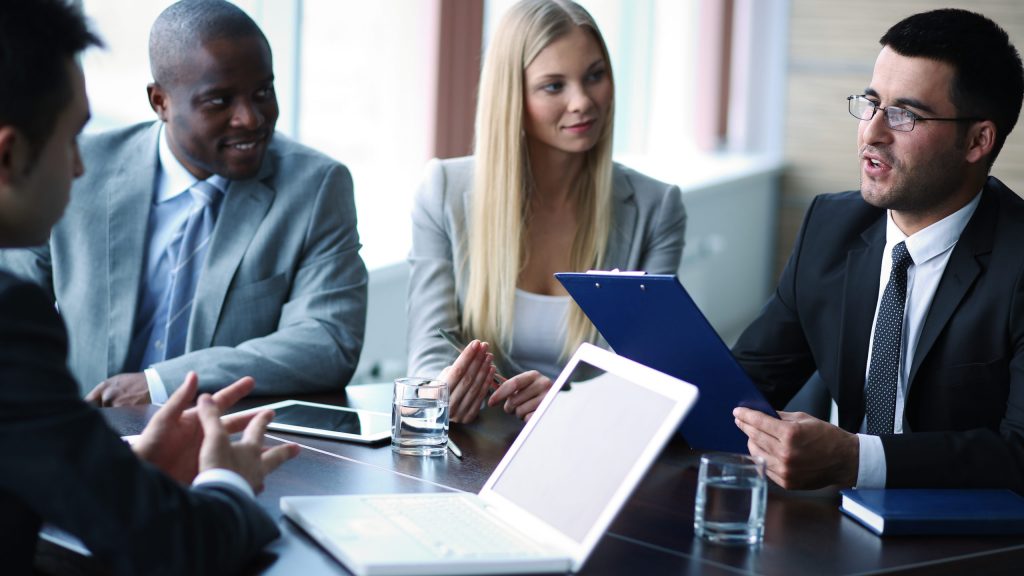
652 320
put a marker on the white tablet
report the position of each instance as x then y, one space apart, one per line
328 421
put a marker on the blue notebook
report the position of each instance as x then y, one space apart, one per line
650 319
892 512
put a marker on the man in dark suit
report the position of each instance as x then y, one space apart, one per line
907 296
62 464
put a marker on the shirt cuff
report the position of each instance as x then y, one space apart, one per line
157 390
224 476
871 465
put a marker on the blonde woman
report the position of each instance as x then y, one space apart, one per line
540 195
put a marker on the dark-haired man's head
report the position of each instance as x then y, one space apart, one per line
988 79
950 84
213 87
43 108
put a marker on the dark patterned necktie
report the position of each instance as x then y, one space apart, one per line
883 374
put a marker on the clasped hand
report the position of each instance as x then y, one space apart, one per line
128 389
472 375
801 451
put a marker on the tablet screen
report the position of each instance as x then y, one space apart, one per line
331 419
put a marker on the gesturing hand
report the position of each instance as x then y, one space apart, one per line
248 457
172 439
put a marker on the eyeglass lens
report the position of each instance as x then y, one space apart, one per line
897 118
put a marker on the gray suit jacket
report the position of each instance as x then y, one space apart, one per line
282 296
649 223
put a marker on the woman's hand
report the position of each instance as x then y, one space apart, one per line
468 378
521 393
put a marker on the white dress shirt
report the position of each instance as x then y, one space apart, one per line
930 250
225 477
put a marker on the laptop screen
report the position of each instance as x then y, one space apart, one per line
579 453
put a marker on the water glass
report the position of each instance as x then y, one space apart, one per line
731 494
419 417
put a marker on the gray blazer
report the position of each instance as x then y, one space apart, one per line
649 223
282 296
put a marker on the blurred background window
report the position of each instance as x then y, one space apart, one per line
360 81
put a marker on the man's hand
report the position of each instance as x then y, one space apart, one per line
172 439
801 451
468 378
248 457
522 393
129 389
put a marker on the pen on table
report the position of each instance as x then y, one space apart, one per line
455 449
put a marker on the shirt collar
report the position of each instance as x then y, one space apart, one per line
174 178
935 239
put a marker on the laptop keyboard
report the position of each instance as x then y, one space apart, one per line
452 527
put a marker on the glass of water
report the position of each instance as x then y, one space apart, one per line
731 494
419 417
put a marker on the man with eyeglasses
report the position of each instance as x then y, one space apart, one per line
907 296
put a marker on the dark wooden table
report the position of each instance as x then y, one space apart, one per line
804 534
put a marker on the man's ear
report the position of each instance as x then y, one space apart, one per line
981 138
157 100
14 155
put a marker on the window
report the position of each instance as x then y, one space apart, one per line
367 99
358 81
116 78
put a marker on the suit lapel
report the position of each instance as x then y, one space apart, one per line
244 208
624 216
961 272
860 298
129 200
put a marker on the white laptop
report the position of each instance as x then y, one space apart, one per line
545 506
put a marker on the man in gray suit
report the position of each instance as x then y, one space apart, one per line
273 288
132 506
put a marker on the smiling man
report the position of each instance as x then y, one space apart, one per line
204 241
133 507
907 296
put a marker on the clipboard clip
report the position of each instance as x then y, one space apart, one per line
617 272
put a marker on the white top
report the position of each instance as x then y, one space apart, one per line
930 250
539 330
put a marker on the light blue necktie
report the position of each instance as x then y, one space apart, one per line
187 253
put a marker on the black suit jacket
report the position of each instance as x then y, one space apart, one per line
964 407
61 463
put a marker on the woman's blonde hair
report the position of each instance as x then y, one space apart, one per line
502 182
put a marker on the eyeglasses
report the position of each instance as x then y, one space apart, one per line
896 118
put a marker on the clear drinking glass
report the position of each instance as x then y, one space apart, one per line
731 496
419 417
